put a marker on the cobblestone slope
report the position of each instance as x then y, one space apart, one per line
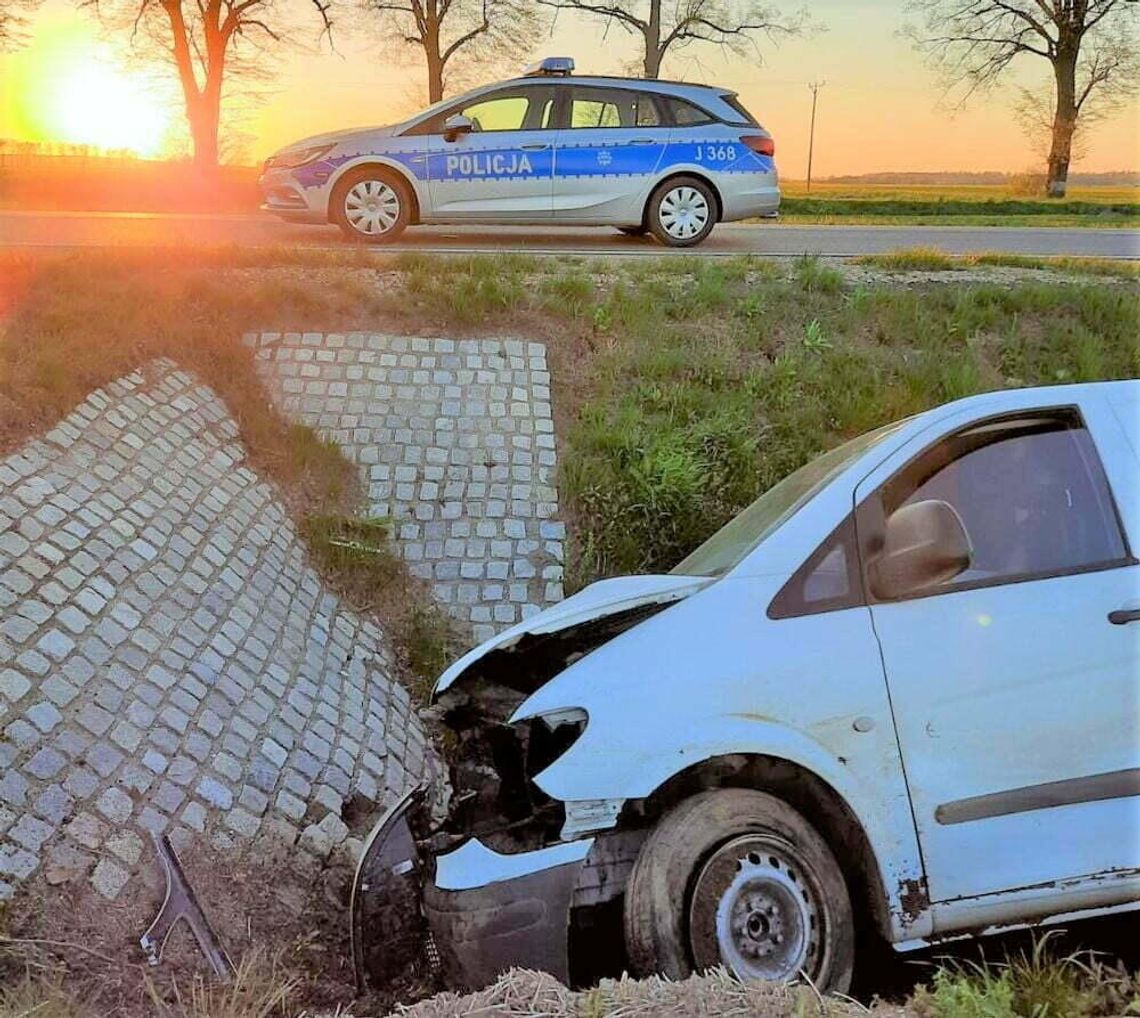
455 441
168 660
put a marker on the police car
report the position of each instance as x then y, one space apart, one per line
548 148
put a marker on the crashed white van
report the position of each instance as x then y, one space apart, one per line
898 697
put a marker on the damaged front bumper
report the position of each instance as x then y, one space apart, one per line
469 913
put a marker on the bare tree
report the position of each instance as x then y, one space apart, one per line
201 38
13 19
481 33
1089 45
663 25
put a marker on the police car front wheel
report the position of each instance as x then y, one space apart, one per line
682 211
371 206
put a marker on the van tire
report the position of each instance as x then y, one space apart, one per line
736 877
393 200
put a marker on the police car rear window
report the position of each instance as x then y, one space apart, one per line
736 104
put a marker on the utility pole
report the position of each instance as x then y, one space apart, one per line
815 86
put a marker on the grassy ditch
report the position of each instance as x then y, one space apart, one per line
682 389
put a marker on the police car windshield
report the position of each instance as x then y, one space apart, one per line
739 536
444 104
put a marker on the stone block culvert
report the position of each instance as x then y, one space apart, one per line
168 659
454 442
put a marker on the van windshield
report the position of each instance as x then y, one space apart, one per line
740 535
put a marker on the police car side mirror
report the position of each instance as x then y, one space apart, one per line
456 125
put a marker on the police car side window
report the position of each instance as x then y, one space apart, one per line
591 111
685 114
612 107
646 111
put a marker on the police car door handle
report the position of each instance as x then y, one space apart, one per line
641 141
536 147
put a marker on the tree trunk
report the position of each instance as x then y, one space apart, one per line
204 134
434 60
203 106
435 78
1064 124
652 33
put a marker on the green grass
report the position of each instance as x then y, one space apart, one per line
356 553
1031 984
924 259
951 208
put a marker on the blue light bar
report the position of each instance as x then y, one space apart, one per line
550 65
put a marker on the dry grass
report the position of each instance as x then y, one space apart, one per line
523 994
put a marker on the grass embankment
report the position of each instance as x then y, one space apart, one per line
928 259
711 384
83 183
956 205
75 324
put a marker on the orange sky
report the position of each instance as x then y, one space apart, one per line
881 108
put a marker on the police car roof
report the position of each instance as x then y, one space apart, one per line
613 81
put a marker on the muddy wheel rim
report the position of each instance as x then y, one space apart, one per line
371 207
684 212
756 911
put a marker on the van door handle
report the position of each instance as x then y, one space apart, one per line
537 147
641 141
1123 616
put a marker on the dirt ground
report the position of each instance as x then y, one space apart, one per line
281 915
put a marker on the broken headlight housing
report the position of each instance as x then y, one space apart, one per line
495 797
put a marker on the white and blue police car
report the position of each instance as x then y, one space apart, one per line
547 148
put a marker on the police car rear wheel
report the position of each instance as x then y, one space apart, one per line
371 206
682 212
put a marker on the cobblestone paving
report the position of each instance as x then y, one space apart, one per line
455 442
168 661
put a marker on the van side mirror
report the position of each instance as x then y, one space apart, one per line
924 544
455 125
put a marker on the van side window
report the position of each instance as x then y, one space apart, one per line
1031 494
827 581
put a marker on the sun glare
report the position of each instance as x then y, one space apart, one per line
68 85
93 103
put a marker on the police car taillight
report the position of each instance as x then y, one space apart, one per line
760 144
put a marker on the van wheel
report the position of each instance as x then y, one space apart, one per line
738 878
682 211
371 205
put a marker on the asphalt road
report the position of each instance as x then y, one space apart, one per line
79 230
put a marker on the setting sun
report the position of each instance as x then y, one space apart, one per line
92 103
72 87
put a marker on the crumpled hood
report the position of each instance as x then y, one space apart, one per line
606 597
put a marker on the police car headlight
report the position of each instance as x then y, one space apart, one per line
291 160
